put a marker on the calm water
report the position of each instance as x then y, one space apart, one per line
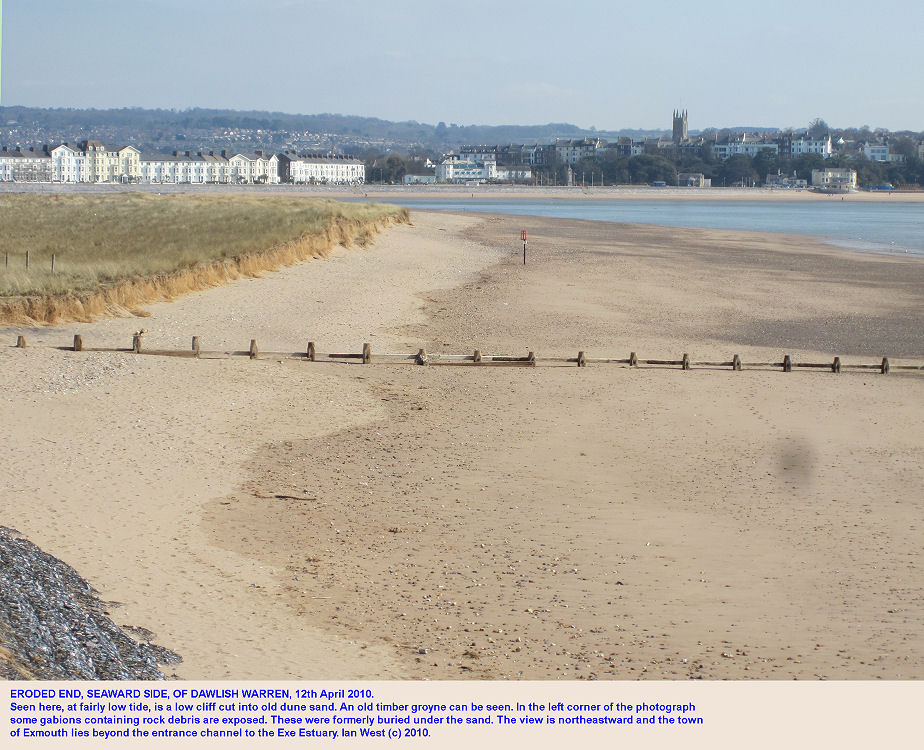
869 227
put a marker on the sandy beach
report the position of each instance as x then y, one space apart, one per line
623 192
438 192
284 519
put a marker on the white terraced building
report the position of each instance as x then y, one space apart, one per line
808 145
68 164
748 145
183 167
91 161
30 165
255 168
313 169
209 168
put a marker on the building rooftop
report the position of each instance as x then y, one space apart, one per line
18 153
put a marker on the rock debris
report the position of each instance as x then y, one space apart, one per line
54 627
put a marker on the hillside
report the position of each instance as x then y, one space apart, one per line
164 130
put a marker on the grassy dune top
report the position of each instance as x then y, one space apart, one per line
100 240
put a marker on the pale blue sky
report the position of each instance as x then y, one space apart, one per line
594 63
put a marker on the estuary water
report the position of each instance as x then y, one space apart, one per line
892 228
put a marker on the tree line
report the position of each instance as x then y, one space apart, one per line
738 170
644 169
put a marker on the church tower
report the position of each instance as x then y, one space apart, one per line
680 126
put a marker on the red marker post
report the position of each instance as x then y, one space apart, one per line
524 235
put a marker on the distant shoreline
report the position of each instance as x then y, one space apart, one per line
629 192
498 192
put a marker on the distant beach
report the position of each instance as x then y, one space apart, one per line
441 192
631 192
292 520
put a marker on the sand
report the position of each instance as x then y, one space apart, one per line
620 192
502 523
438 192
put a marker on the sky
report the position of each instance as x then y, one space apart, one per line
595 63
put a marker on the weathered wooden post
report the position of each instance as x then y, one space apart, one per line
52 262
787 363
367 353
195 346
633 360
27 258
885 366
524 235
685 361
581 360
254 352
311 352
78 342
136 343
7 261
477 356
836 365
20 342
736 363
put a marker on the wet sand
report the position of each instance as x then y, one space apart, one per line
282 519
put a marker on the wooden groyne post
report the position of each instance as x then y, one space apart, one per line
423 357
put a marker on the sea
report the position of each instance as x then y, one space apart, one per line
880 227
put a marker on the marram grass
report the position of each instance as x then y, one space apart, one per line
114 253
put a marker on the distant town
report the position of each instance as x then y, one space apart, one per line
819 156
